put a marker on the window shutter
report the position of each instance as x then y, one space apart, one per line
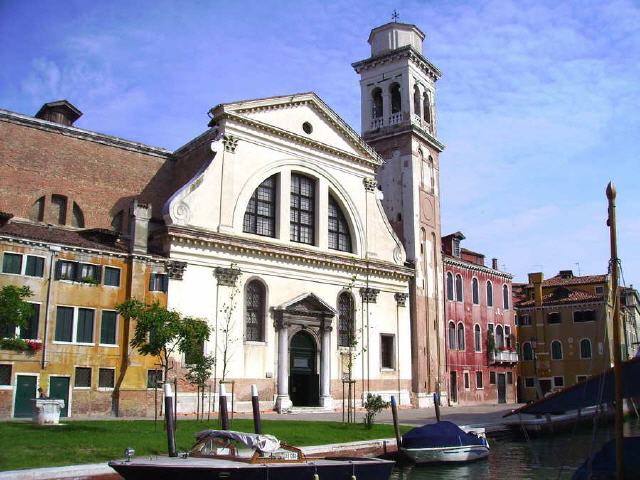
165 283
151 277
58 272
99 274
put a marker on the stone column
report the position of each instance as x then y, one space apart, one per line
283 402
326 400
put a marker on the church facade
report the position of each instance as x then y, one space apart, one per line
313 253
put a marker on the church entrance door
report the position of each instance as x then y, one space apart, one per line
303 377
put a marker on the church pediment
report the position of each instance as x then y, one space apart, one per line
304 118
308 304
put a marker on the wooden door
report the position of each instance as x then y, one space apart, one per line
59 389
25 392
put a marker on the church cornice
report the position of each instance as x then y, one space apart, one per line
390 132
447 260
250 246
310 99
374 163
407 52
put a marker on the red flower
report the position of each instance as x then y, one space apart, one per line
34 345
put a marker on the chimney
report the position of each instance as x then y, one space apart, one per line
494 263
61 111
139 215
536 280
565 274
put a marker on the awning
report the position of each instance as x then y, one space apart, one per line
596 390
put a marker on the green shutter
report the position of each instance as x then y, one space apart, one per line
108 328
12 263
85 326
64 324
30 330
35 266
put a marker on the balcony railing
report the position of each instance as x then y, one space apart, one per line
395 118
503 356
377 123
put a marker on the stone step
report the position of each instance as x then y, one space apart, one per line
301 410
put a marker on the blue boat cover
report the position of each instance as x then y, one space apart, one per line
604 462
441 434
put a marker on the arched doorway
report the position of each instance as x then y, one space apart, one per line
303 373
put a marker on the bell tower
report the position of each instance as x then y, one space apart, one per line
399 120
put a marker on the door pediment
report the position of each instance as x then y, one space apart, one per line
307 310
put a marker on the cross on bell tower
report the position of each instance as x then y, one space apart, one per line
398 86
395 15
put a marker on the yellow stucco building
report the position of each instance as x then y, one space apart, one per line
564 331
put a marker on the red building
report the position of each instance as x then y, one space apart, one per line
481 344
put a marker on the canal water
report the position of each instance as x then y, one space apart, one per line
550 457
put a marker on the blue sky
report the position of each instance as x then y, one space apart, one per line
539 103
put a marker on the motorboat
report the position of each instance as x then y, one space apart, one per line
245 456
444 442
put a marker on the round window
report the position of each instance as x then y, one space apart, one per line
307 127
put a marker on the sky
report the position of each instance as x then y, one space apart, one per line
538 105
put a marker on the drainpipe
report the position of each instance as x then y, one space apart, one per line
53 249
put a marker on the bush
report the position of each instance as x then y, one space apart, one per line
374 405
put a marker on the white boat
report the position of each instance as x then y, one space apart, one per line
444 442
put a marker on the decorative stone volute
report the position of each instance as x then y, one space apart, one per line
369 295
175 269
370 184
401 299
227 276
230 143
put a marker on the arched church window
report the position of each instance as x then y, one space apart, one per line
37 210
260 215
396 98
77 217
416 100
376 103
302 209
255 302
426 108
346 320
339 236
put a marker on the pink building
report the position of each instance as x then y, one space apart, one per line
481 344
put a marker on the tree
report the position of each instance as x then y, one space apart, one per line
226 329
200 369
14 311
159 331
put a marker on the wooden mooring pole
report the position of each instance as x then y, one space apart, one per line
396 427
617 367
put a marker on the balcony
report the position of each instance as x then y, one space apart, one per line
377 123
503 356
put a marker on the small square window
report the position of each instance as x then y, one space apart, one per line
112 276
492 378
158 282
582 378
528 382
558 381
509 378
466 380
34 267
5 375
89 273
66 270
12 263
154 378
479 380
83 377
106 377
